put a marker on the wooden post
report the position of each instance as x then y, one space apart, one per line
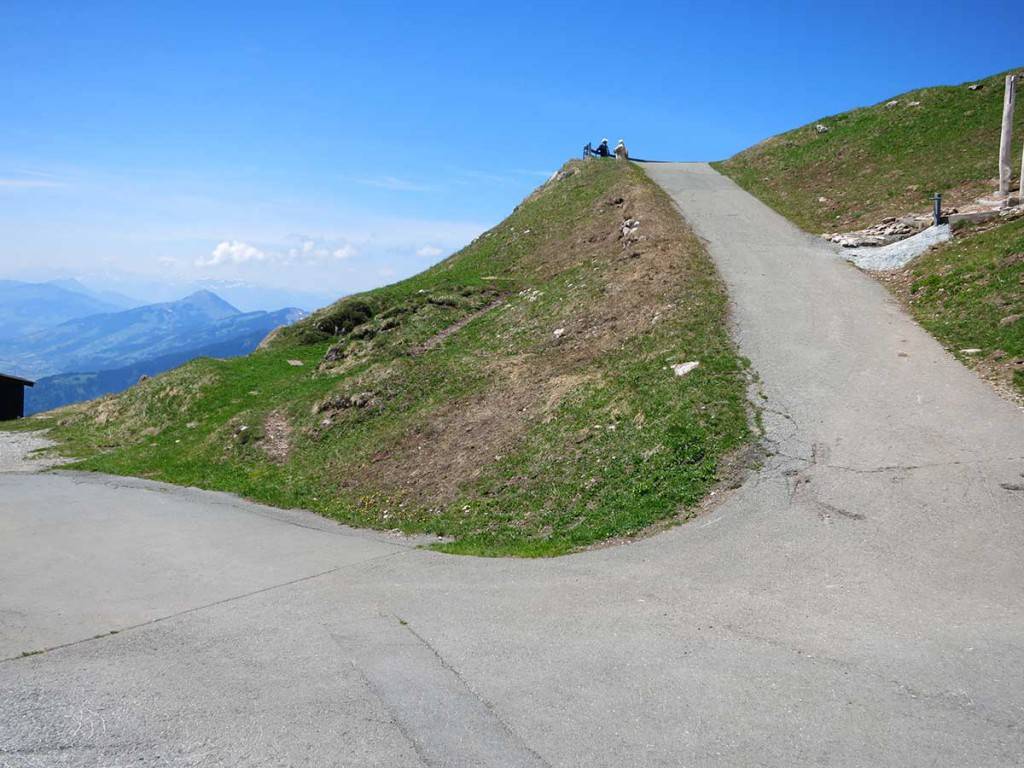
1006 137
1020 192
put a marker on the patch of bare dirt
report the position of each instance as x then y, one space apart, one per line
270 338
277 434
455 443
640 249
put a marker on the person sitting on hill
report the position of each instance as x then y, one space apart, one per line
621 153
602 149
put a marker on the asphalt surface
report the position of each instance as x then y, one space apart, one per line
858 602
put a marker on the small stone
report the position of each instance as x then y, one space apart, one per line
820 128
296 363
892 103
362 400
559 333
913 103
975 87
1009 320
681 369
970 351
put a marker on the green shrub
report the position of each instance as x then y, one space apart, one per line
343 317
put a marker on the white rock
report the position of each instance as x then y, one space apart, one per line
296 363
681 369
892 103
971 351
559 333
820 128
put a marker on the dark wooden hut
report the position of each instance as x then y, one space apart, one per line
12 396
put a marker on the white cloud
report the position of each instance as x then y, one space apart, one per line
231 252
311 250
429 252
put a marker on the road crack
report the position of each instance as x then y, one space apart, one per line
196 609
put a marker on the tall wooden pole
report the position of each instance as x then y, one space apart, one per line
1020 192
1006 137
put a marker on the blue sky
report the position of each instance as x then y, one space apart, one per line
330 147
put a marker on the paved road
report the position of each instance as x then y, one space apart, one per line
858 602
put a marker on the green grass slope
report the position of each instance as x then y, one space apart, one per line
882 160
517 398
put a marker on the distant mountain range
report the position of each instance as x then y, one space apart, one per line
117 339
63 388
97 351
126 291
113 298
29 307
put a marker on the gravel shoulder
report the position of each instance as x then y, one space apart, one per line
18 452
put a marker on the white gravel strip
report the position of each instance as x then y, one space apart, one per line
896 255
16 452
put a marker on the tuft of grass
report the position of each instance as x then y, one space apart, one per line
446 403
881 160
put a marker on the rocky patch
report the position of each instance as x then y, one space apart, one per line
889 230
276 441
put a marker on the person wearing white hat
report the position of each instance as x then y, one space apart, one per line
602 149
621 153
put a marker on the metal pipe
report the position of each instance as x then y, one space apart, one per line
937 209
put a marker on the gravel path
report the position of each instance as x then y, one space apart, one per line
900 253
16 452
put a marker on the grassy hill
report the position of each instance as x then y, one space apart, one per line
517 398
882 160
